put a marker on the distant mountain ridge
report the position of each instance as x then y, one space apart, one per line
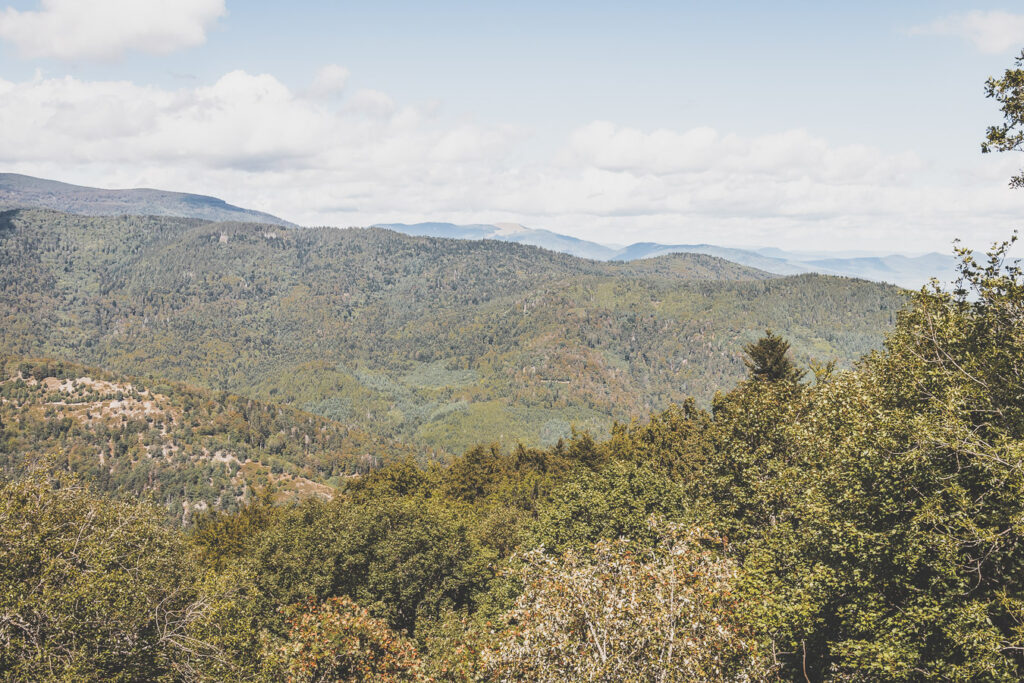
22 191
509 232
906 271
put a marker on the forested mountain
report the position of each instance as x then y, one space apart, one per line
428 341
22 191
185 448
864 526
850 522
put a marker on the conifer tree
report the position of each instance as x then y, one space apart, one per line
768 360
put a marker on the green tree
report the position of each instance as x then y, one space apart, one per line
768 359
92 589
879 512
337 641
1008 91
405 558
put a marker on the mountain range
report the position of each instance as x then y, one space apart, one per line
905 271
22 191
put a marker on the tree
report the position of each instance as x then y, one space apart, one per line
878 514
768 360
1008 91
92 589
338 641
629 613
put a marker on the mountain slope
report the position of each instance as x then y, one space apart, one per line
21 191
186 448
434 342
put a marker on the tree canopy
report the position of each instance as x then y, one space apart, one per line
768 359
1008 91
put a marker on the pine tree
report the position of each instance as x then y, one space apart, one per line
768 360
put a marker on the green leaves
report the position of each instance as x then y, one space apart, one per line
339 641
91 589
1008 91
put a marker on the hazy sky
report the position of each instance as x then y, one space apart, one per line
795 124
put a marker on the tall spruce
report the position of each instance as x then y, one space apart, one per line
768 360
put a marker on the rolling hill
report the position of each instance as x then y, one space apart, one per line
433 342
22 191
185 448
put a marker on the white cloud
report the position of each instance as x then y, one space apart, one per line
371 103
330 80
361 158
703 150
106 29
992 32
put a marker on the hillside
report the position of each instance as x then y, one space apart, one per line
439 343
22 191
185 448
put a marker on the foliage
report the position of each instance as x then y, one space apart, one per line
95 590
768 360
613 502
873 521
338 640
865 526
668 613
1008 91
187 449
406 558
880 510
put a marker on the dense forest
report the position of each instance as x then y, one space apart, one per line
846 525
427 341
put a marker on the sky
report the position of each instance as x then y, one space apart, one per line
801 125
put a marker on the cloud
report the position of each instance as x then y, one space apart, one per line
361 158
106 29
330 80
371 103
992 32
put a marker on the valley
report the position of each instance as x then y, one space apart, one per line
436 343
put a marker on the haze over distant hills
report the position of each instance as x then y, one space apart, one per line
906 271
22 191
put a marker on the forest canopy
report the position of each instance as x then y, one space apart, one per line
862 525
